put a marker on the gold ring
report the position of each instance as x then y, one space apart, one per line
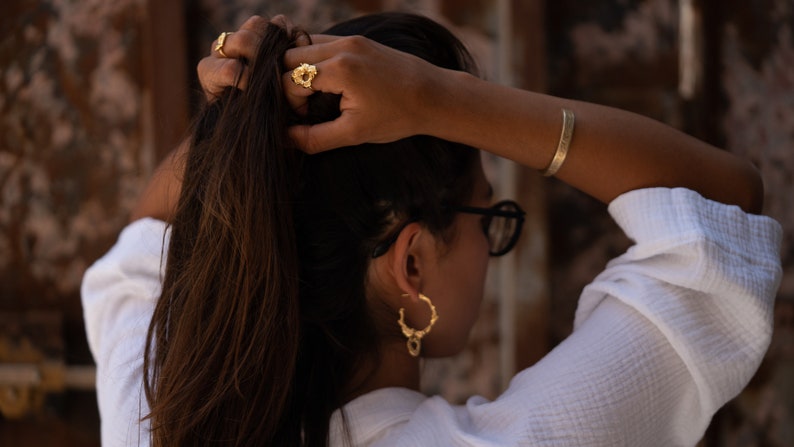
304 74
222 40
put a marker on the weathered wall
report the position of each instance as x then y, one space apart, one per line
71 100
78 140
73 155
626 54
621 54
757 79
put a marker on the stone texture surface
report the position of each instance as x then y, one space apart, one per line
76 146
758 83
73 156
624 53
71 100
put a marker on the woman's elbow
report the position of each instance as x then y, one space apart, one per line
752 194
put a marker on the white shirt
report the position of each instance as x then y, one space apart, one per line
668 333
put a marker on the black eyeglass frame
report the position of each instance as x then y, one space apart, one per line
492 211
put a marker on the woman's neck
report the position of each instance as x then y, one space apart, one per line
394 368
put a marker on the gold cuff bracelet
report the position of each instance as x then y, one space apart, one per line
565 141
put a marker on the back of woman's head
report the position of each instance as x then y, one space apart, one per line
264 316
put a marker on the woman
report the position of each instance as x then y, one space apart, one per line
299 293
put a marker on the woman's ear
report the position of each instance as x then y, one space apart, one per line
410 258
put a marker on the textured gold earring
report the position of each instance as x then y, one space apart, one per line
414 336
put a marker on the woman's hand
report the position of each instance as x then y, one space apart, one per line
388 95
217 72
385 92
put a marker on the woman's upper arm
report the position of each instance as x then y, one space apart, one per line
119 293
675 327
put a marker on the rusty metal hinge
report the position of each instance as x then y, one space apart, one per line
32 362
23 386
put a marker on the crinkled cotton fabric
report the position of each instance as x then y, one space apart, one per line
666 335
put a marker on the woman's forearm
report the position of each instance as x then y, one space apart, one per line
161 195
612 151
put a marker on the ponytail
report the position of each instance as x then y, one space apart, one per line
223 342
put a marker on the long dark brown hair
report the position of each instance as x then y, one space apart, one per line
264 317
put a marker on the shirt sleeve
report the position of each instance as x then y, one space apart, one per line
119 292
668 333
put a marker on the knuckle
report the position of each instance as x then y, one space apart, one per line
256 25
244 40
227 73
337 69
201 67
252 22
302 40
344 64
355 43
337 63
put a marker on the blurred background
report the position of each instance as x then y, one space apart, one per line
94 93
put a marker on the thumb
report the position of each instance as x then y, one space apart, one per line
317 138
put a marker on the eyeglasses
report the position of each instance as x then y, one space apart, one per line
501 224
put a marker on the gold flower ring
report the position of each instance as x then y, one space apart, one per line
304 74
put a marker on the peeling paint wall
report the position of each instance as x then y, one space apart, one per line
76 146
758 123
74 152
71 100
621 54
625 54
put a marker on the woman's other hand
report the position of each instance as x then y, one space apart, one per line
216 72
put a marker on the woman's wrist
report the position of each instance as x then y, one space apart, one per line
515 124
611 151
445 104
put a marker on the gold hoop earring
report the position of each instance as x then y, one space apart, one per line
414 336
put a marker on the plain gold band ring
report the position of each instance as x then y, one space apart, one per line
221 41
